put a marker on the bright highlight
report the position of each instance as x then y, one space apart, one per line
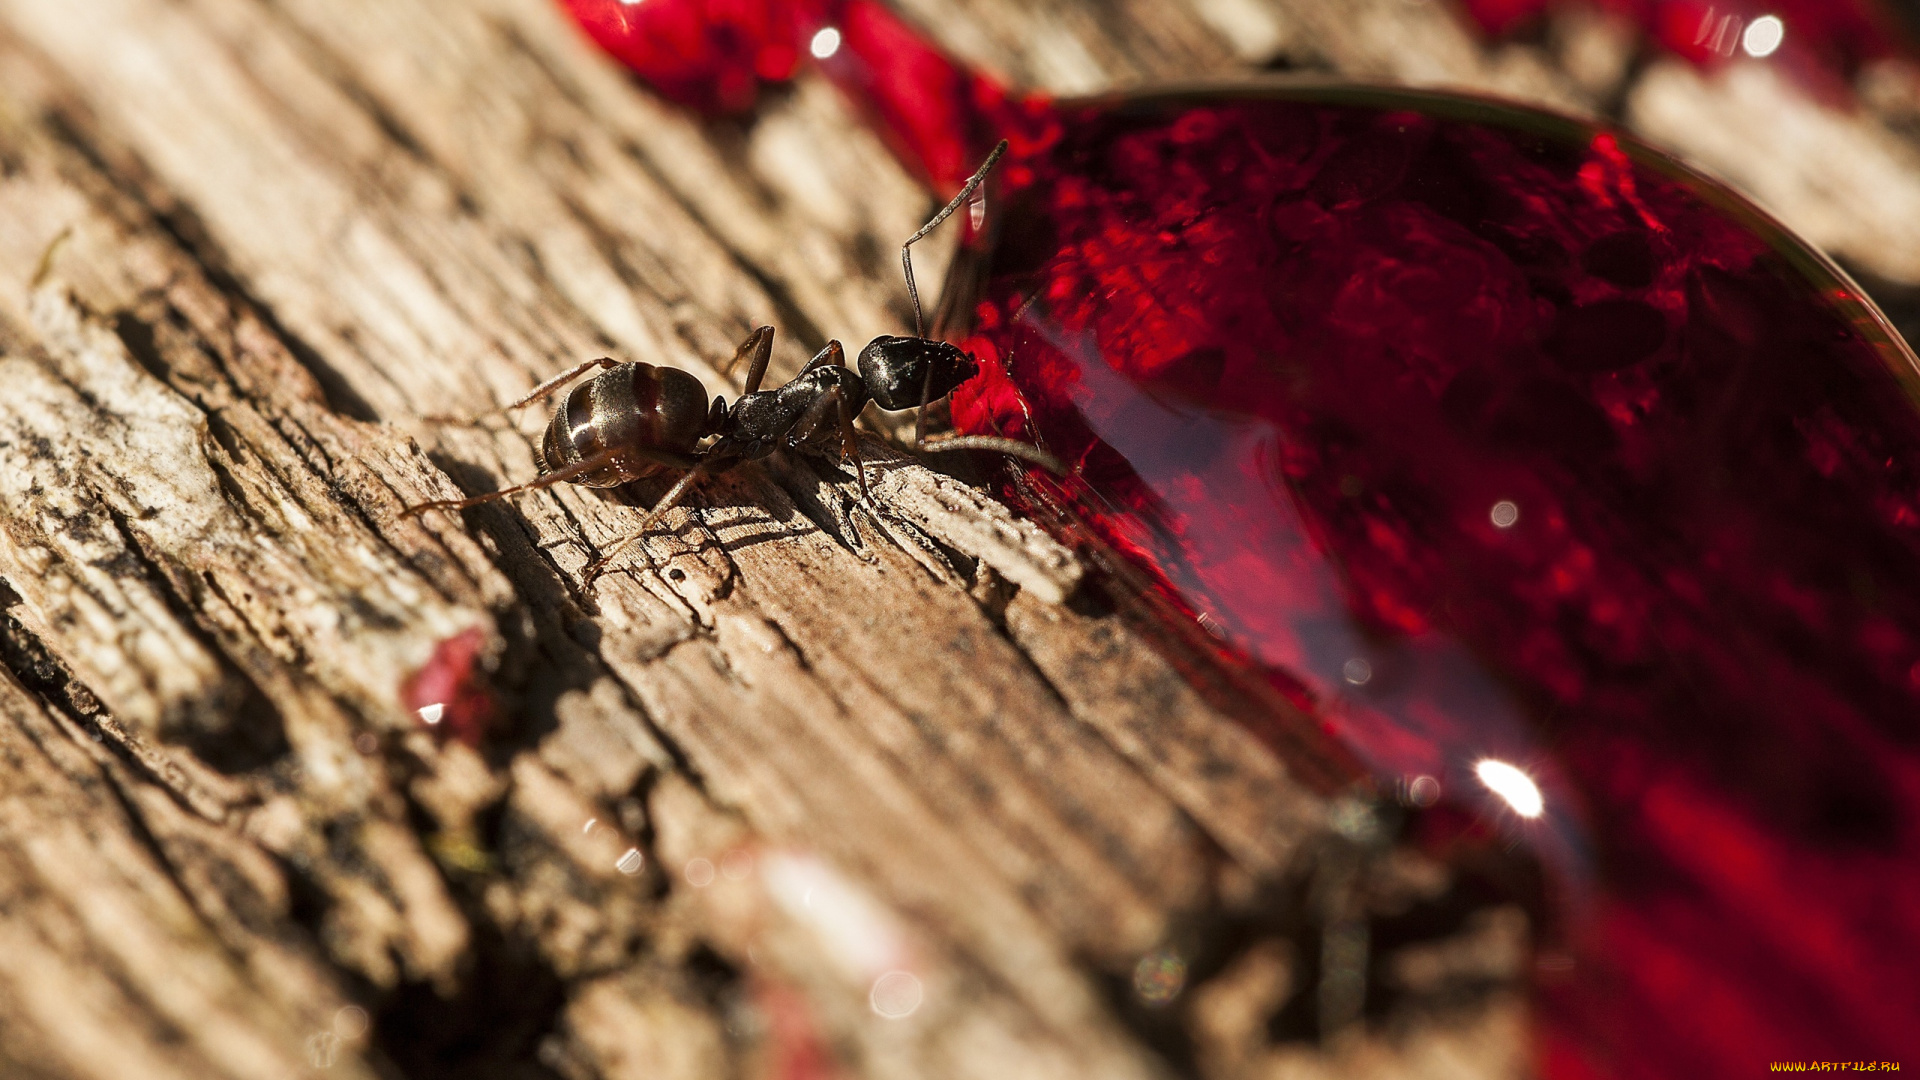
1763 36
825 43
1512 785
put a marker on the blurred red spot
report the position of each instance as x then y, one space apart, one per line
795 1049
451 694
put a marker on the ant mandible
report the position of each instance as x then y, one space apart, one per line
636 419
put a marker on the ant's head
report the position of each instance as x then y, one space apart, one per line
896 369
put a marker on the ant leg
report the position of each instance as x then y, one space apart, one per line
831 356
759 345
906 252
532 396
1010 447
667 502
850 444
545 480
920 415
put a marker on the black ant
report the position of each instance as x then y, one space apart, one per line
636 419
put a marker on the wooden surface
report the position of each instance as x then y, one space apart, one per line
801 762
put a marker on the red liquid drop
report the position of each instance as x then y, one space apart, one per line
451 695
715 55
1495 436
1508 447
711 55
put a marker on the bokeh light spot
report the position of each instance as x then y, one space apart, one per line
1512 785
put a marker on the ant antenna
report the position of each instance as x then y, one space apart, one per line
667 502
906 253
994 443
531 396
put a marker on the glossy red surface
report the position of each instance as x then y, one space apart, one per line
1493 436
711 55
717 55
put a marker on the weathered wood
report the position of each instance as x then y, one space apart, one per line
794 747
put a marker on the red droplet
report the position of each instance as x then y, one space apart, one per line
716 55
711 55
451 694
1301 346
1598 472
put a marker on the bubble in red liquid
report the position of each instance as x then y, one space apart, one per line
1819 39
451 695
1608 486
711 55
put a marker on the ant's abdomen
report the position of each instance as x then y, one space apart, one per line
636 407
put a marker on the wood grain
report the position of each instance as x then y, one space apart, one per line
796 745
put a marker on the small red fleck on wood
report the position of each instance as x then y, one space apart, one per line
795 1049
451 694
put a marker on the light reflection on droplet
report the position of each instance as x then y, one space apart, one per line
1423 791
699 873
431 714
587 829
351 1022
825 43
1513 785
896 995
1357 671
1763 36
631 863
1160 976
1504 514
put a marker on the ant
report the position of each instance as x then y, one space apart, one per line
636 419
